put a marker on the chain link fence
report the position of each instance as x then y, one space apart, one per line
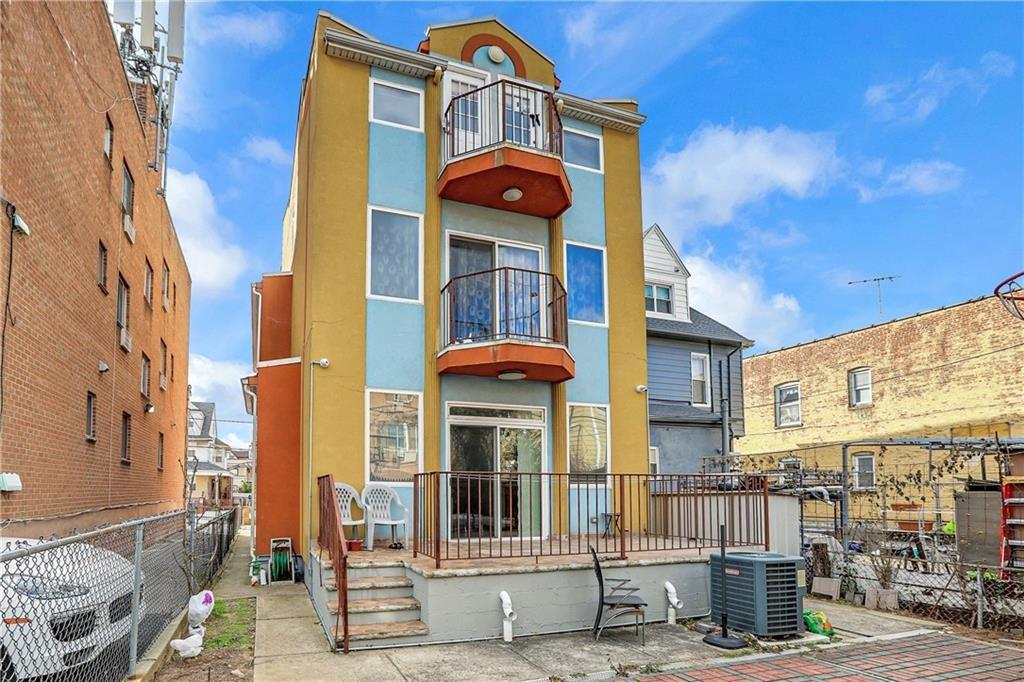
88 606
971 595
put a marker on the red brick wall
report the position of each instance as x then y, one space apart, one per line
53 169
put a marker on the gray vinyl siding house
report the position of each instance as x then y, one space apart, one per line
686 428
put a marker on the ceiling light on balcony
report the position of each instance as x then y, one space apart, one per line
512 194
512 375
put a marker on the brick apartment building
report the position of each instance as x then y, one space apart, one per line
953 372
94 425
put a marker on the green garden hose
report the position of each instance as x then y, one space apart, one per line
279 566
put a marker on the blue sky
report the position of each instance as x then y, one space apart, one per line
789 149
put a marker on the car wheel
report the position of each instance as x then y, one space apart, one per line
7 671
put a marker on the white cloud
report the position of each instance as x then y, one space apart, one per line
737 296
218 381
615 45
214 262
788 235
721 169
913 100
917 177
266 149
253 29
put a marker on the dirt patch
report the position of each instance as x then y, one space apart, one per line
227 648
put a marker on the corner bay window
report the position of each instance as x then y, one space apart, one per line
394 270
584 269
787 404
588 443
393 440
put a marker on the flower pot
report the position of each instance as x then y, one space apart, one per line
913 525
354 545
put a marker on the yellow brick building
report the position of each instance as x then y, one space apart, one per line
957 371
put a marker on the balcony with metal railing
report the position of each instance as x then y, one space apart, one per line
508 323
502 148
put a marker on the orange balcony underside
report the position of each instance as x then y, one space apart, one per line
540 363
481 179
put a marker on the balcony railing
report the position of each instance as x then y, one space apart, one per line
504 303
502 112
500 515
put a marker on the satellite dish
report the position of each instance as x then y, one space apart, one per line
124 12
148 25
176 31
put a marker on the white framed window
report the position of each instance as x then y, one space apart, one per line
127 192
582 150
394 252
863 470
586 283
787 404
144 381
396 105
658 298
394 431
860 386
700 370
123 303
147 284
653 459
108 141
588 443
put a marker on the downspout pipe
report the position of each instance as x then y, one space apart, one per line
252 528
323 363
510 615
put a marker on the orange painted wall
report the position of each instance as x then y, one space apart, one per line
279 404
276 318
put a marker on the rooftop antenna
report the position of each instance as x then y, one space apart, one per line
877 281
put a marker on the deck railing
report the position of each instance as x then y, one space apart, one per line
332 538
497 515
502 112
504 303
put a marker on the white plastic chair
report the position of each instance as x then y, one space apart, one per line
347 496
377 501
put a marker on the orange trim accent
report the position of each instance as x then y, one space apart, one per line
482 178
486 39
424 46
539 363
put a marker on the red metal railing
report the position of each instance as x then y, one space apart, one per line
496 515
504 303
332 538
502 112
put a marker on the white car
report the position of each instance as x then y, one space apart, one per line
61 607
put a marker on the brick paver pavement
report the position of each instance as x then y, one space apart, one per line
924 658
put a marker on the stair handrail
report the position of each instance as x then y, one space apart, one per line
332 536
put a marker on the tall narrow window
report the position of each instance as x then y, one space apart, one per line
699 371
584 268
144 384
147 284
123 303
165 284
126 437
394 450
658 298
108 140
864 470
159 451
394 255
172 366
787 404
127 193
163 364
588 443
860 387
653 458
90 416
101 268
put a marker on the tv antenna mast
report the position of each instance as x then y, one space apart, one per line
877 281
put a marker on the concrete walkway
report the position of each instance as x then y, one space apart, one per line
291 645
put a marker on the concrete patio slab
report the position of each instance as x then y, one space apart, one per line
366 666
564 655
470 661
862 622
283 605
279 636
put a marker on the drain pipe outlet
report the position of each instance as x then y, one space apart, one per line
674 603
510 615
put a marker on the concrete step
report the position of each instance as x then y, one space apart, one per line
379 587
370 611
363 568
409 628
